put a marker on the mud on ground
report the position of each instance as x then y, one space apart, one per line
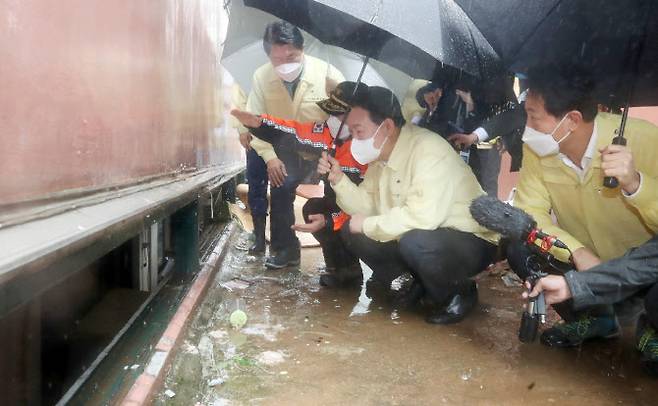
307 345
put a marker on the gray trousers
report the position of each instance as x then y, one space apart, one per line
485 164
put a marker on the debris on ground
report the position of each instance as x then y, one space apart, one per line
271 358
510 279
499 268
215 382
296 338
238 319
235 284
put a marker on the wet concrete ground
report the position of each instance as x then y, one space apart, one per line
307 345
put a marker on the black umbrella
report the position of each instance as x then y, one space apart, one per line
420 37
604 37
615 41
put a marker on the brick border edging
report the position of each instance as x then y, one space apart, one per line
144 387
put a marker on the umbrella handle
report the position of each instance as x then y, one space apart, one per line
610 181
331 153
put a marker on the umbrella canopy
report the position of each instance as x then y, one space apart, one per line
422 38
601 36
243 53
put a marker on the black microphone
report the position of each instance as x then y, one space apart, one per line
510 222
514 223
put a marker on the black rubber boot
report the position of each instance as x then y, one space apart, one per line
258 247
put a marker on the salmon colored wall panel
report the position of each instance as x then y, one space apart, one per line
96 93
646 113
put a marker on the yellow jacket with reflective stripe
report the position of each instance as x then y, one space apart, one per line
424 185
269 96
588 214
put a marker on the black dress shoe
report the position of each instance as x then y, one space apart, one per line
283 258
457 308
410 296
343 277
377 289
328 280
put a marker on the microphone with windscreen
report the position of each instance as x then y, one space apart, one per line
514 223
511 222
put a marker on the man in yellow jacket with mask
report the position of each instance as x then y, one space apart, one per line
566 156
288 87
411 212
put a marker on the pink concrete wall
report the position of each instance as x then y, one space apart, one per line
646 113
96 93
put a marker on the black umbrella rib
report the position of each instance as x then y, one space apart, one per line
361 31
478 57
636 69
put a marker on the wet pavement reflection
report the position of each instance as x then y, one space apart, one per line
307 345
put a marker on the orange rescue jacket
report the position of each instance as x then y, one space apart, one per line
311 139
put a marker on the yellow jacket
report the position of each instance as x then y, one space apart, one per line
424 185
269 96
410 106
588 214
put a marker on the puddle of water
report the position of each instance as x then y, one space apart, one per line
271 358
343 347
268 332
362 306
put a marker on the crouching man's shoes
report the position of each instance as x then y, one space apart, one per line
328 280
575 333
283 258
647 344
410 296
343 277
457 308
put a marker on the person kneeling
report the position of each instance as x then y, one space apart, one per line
633 274
411 212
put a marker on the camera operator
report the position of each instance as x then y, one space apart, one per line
635 273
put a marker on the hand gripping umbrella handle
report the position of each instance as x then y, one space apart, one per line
610 181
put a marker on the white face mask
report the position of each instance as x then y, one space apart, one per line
364 151
543 144
334 124
289 71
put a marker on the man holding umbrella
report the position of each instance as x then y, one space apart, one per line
567 154
410 213
287 87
